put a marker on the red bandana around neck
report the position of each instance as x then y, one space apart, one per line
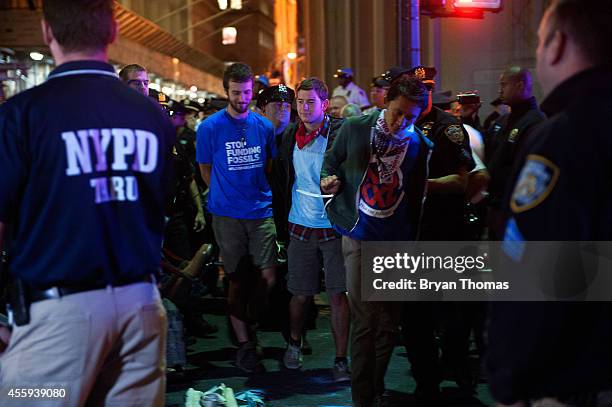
303 139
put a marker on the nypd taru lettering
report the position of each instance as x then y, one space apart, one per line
86 153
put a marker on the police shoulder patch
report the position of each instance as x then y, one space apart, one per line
454 133
536 181
426 128
513 135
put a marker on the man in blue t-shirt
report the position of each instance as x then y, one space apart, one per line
235 148
85 164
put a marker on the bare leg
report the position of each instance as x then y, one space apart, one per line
297 309
340 322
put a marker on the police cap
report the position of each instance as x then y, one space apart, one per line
380 82
442 98
344 73
263 79
394 73
175 107
279 93
192 106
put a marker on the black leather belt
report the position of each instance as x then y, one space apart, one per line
59 291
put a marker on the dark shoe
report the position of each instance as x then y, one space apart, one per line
428 397
306 347
246 357
341 372
199 327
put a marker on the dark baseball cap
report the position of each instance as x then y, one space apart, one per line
394 72
380 82
192 105
175 107
344 73
278 93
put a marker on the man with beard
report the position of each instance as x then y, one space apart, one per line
235 148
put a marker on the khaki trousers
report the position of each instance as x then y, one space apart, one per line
104 347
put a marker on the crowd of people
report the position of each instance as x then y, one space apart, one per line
278 189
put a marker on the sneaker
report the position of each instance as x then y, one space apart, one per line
246 357
341 372
293 357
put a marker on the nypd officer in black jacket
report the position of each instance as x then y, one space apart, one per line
505 137
561 350
84 162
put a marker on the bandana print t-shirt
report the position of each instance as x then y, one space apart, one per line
382 206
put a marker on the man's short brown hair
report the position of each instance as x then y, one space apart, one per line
125 72
238 72
587 23
412 89
315 84
83 25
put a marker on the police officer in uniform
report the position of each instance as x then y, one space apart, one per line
505 137
378 92
348 88
84 164
558 353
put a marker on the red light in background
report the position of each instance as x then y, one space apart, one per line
480 4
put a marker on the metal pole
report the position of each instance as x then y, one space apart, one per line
415 33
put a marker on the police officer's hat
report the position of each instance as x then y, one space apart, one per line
263 79
279 93
442 98
425 74
380 82
174 107
394 73
192 106
344 73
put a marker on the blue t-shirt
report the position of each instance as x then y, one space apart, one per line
306 209
85 167
238 151
383 208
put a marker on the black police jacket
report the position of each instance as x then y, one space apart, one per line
504 139
559 349
444 212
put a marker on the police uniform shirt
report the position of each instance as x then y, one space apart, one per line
451 152
352 93
562 194
85 165
505 138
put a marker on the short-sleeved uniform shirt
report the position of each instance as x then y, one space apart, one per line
352 93
238 151
85 175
